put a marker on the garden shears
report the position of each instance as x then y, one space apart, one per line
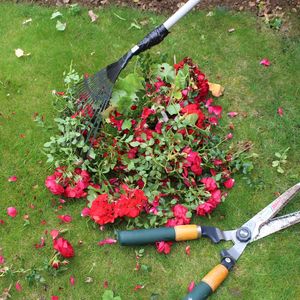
260 226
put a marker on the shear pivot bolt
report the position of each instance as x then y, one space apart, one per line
243 234
228 260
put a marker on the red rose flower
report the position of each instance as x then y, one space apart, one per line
209 183
64 248
102 212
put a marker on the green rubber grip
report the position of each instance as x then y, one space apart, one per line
200 292
146 236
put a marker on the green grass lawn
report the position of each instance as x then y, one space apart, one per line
268 269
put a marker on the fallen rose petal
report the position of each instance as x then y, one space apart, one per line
265 62
62 201
2 222
12 212
85 212
65 218
188 250
18 286
12 178
229 136
232 114
54 233
280 111
41 244
138 287
191 286
72 280
54 298
107 241
105 284
2 260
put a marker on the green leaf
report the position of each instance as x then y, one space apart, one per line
134 144
277 154
166 72
126 124
173 109
190 119
280 170
275 163
108 295
61 26
56 15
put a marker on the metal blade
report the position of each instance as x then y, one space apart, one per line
278 224
261 218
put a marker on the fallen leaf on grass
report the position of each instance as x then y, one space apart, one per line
89 280
93 16
12 178
216 89
56 15
108 241
20 53
61 26
27 21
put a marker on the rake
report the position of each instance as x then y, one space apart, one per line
94 92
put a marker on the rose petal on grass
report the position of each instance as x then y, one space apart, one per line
280 111
229 136
72 280
191 286
232 114
54 298
12 211
105 284
65 218
107 241
18 286
41 244
188 250
85 212
54 233
138 287
13 178
265 62
2 222
2 260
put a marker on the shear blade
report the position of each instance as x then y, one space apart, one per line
278 224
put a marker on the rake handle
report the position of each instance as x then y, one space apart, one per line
159 33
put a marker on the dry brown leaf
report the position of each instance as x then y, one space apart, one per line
93 16
216 89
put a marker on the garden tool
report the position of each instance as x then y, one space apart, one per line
260 226
94 92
